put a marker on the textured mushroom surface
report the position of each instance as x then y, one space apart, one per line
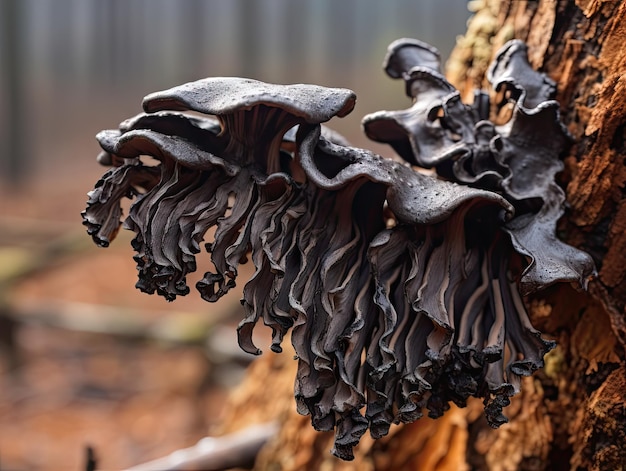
402 290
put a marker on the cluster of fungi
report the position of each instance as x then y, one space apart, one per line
402 288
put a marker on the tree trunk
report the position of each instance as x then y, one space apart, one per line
571 414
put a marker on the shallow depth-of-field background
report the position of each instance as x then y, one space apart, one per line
85 358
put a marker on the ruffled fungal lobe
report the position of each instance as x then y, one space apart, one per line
511 73
438 127
519 158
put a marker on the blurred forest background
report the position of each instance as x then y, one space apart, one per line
85 359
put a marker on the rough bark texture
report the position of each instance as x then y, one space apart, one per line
570 415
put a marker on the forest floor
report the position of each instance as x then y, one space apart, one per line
85 358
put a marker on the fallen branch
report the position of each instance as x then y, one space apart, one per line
216 453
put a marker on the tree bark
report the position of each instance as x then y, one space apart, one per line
571 414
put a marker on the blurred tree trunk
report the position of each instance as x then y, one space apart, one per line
570 415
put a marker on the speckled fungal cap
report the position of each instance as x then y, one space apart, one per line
250 111
223 95
402 291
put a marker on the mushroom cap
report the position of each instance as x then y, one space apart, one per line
162 147
418 134
224 95
406 53
414 198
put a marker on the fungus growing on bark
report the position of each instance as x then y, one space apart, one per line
518 159
401 290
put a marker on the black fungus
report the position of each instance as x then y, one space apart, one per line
402 290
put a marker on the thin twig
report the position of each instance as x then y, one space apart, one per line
216 453
91 462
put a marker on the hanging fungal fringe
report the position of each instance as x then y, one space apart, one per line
402 290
